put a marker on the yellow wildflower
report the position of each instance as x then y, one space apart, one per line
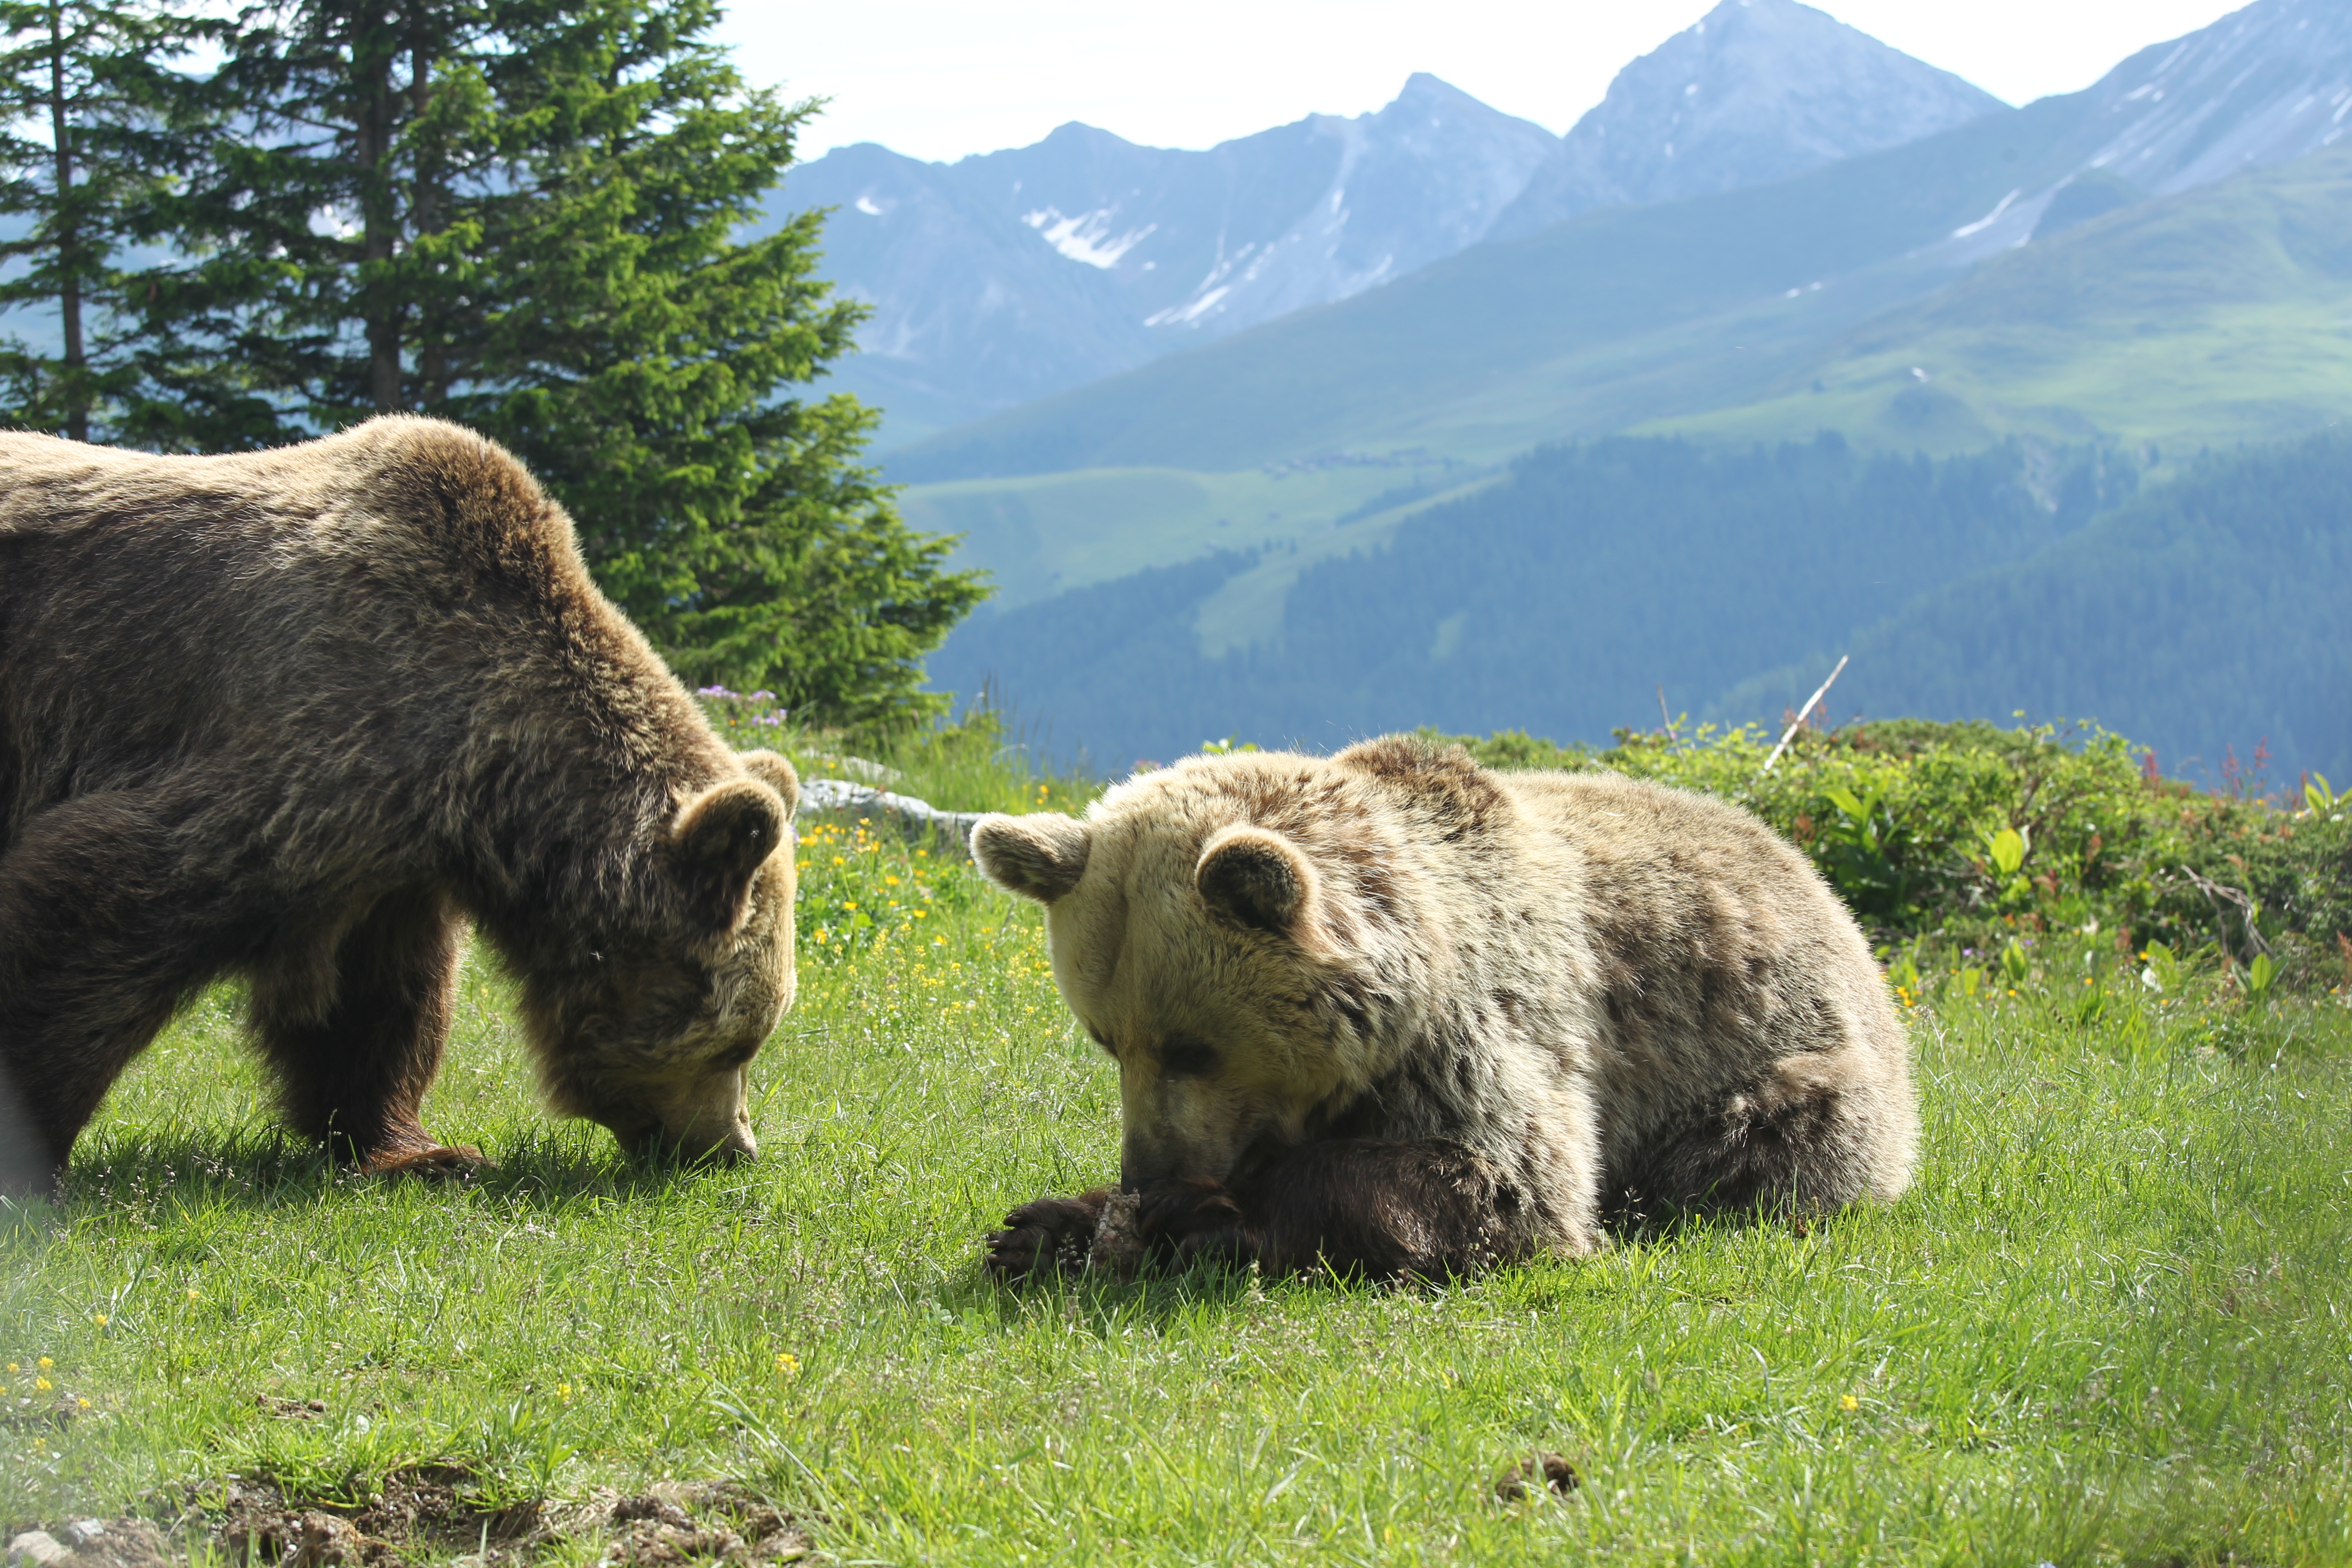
1848 1402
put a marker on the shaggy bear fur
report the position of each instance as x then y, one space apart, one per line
301 715
1392 1014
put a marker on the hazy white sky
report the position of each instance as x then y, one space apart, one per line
939 78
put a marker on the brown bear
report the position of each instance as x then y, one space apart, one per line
301 715
1388 1013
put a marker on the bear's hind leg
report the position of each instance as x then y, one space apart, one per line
100 941
1801 1142
356 1045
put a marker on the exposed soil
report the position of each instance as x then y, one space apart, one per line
427 1513
1554 1473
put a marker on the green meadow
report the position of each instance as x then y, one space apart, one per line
2108 1325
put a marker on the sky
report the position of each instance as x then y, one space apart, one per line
940 78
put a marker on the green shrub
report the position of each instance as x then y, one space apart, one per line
1955 840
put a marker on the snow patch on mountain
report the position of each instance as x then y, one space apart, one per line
1087 238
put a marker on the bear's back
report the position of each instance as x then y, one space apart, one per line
404 578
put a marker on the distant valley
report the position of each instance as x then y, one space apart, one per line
2120 278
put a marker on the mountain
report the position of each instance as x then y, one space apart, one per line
1758 91
1648 317
1622 315
1009 275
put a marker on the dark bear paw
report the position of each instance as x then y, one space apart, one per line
1190 1219
1050 1237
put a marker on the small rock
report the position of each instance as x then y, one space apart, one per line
909 817
124 1543
38 1547
1555 1472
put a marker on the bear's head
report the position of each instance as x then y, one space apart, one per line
1232 932
651 1031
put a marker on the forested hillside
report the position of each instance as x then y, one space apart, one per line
2196 616
1556 600
2204 617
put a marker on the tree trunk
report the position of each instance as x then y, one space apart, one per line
424 214
72 389
380 216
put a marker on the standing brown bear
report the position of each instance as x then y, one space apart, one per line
1391 1012
300 716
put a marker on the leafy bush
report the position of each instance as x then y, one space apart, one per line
1955 839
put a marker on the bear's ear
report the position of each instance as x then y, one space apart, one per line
719 839
776 774
1039 857
1257 877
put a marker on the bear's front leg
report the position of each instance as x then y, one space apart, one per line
355 1057
1052 1236
1358 1207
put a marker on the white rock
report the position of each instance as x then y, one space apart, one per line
909 817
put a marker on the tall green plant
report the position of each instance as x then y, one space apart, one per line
92 118
526 215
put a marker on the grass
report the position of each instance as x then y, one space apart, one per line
2107 1326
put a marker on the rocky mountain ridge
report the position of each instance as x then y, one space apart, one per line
1007 276
1755 91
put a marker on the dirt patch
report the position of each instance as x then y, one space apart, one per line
424 1513
283 1409
1537 1473
678 1522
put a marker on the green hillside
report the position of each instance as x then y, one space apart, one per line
2205 616
2221 315
1049 534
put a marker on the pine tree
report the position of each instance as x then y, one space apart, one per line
532 209
94 117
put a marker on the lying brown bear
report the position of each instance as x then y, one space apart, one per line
300 716
1388 1013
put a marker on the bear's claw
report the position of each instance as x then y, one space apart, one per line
1052 1236
443 1162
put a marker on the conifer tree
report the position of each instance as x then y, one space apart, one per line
92 117
524 215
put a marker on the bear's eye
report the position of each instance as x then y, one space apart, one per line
1183 1056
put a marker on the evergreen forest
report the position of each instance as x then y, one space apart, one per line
1595 584
235 228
